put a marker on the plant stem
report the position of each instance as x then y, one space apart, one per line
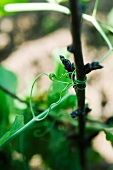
79 64
19 7
95 22
32 121
95 9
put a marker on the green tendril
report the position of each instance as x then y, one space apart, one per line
52 77
73 74
106 55
31 106
79 82
41 134
64 89
66 75
95 9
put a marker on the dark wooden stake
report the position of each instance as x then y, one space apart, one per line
79 64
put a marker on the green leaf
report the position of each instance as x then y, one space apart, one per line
60 70
109 134
67 158
106 27
18 123
71 102
110 18
8 80
94 158
99 29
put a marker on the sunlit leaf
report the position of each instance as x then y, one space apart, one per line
18 123
8 80
99 29
106 27
110 18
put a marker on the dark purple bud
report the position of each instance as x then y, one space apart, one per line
76 113
70 48
93 66
67 64
87 110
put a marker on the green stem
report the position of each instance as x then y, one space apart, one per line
95 9
92 124
96 126
108 27
19 7
97 26
33 120
31 107
105 55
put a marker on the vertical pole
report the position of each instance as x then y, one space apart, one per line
79 65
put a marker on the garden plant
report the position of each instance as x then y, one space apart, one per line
57 127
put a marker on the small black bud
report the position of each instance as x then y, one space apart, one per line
70 48
87 110
68 65
93 66
96 65
76 113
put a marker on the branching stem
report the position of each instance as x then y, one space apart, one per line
13 95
